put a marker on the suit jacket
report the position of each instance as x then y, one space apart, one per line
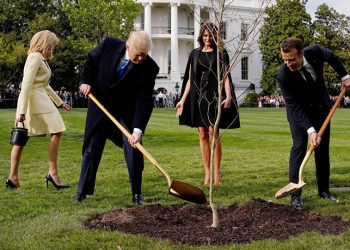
129 98
36 92
301 98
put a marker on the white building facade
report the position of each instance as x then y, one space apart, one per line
174 26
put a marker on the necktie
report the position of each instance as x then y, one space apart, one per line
307 75
122 68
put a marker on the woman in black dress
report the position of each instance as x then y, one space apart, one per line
198 104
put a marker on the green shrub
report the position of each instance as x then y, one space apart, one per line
251 100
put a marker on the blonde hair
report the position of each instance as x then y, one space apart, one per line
140 40
44 42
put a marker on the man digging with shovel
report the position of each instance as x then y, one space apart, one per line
113 70
308 104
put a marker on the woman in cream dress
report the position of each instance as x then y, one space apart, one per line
36 108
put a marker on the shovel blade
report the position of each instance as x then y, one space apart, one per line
289 189
187 192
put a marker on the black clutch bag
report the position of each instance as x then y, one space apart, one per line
19 135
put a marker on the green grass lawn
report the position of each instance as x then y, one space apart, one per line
254 164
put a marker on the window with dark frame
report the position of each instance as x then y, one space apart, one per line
244 31
169 22
142 21
223 30
169 61
244 68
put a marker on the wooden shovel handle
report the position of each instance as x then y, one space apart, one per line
321 131
128 135
329 116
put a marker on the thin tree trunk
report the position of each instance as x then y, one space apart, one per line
213 206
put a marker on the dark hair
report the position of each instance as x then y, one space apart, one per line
290 43
212 30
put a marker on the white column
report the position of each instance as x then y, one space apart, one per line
175 74
148 27
197 24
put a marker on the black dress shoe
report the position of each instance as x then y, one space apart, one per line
10 184
79 198
296 201
328 195
138 199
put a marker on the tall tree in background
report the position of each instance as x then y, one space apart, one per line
332 30
93 20
284 19
79 24
19 21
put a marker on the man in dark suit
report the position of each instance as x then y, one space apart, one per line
121 75
308 104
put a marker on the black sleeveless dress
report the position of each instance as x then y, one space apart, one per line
201 106
205 110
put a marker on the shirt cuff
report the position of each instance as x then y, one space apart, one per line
137 130
345 77
311 130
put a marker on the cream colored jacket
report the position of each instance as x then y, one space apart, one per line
36 92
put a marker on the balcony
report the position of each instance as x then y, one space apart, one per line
163 76
185 31
157 30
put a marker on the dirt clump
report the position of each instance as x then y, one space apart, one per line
190 224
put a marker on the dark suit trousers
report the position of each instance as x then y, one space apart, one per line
321 153
92 156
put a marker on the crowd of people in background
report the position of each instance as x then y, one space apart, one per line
162 99
277 101
267 101
9 95
74 99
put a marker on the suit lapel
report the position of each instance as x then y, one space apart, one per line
131 65
117 55
314 64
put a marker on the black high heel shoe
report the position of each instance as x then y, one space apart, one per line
10 184
48 179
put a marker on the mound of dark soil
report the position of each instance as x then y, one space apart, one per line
190 224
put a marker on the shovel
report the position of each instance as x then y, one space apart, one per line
177 188
293 187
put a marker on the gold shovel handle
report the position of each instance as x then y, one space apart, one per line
292 187
128 135
320 132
